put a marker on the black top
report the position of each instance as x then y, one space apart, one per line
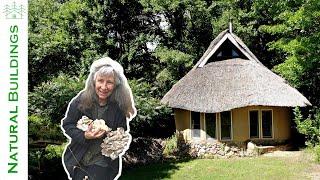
79 146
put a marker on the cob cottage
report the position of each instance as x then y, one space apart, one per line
230 96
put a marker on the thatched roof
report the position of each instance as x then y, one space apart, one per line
233 83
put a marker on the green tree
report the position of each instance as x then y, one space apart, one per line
153 118
68 36
299 42
186 25
309 127
54 39
175 65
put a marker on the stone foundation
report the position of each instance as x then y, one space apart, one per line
218 150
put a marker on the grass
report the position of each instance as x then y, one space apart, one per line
236 168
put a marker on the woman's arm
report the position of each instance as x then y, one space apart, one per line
69 123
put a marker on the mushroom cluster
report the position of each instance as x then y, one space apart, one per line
98 124
115 143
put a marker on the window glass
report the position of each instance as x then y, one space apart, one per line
234 53
225 125
267 123
195 124
254 124
211 124
227 50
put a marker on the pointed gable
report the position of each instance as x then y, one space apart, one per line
227 50
226 46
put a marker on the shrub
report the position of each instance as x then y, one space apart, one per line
45 163
54 151
50 99
171 145
41 128
317 153
153 119
310 127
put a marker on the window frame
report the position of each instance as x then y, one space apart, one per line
231 128
272 124
216 126
191 125
260 123
249 122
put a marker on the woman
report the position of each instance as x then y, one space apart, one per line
106 96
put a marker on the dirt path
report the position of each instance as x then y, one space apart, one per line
293 154
313 172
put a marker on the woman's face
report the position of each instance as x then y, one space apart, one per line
104 85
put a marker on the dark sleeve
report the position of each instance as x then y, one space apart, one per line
69 124
121 119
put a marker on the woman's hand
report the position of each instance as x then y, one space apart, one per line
90 134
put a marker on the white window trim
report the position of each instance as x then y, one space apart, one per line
222 40
258 123
205 125
238 46
213 50
231 133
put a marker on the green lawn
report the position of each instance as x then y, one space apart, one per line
237 168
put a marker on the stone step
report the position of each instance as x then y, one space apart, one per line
265 149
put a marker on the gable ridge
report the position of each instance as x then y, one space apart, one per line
218 41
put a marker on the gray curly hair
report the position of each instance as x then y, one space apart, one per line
121 93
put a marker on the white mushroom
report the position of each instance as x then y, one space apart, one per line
115 143
98 124
84 123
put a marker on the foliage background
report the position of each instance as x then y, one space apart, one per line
157 43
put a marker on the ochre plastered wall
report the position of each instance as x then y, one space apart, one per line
182 121
282 123
240 123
